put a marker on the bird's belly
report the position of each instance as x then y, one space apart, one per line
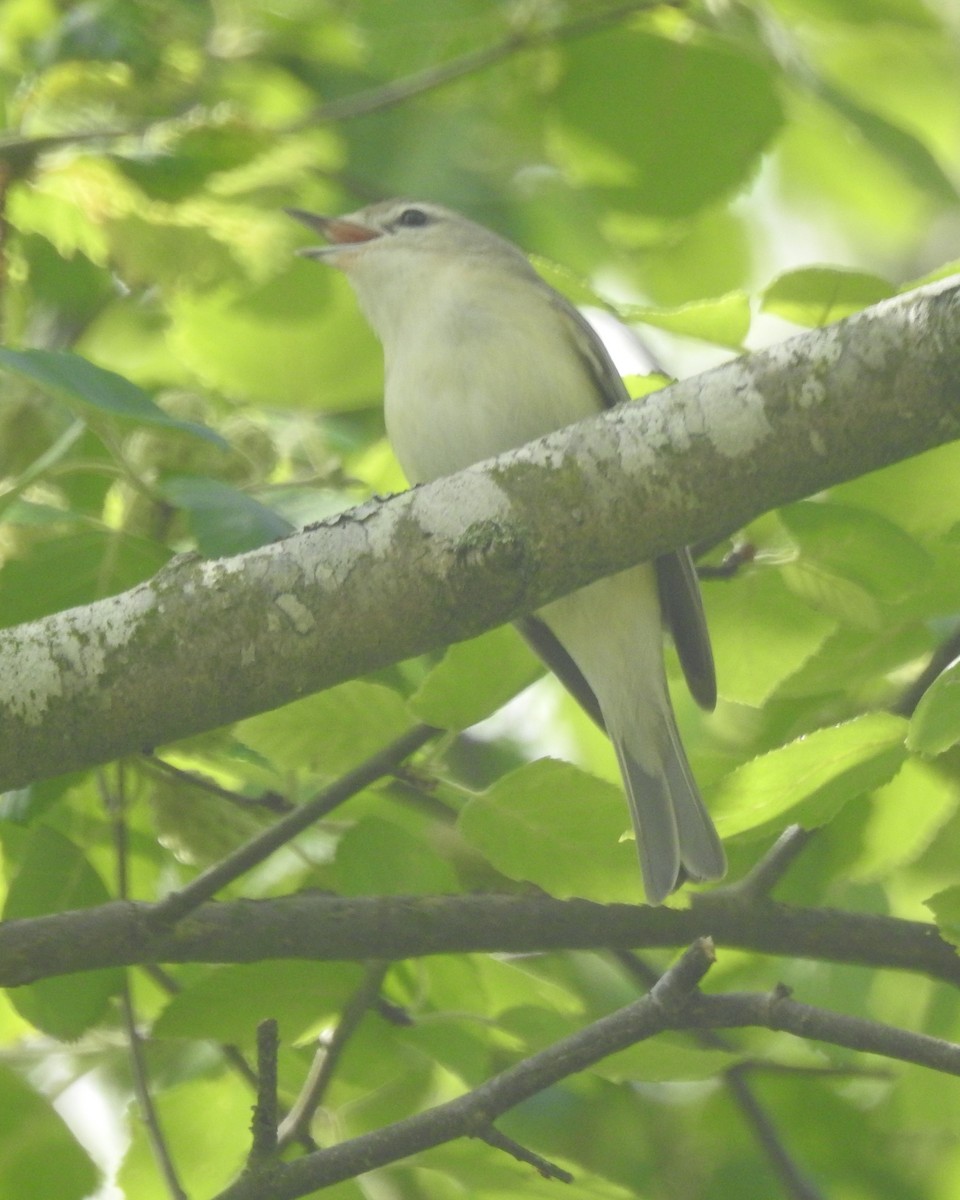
447 410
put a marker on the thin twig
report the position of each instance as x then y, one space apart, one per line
177 904
796 1184
141 1087
471 1115
767 873
269 801
115 803
676 1009
297 1120
231 1053
264 1126
499 1141
942 657
398 91
776 1010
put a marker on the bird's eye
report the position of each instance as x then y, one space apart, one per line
412 217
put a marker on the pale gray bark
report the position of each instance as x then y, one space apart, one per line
205 643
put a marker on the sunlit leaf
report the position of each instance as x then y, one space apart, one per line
761 634
809 780
816 296
474 679
935 725
551 824
724 321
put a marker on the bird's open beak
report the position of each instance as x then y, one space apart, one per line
338 231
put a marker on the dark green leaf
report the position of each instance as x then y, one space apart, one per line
77 381
77 568
684 120
223 519
53 876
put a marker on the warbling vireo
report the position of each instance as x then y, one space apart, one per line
481 355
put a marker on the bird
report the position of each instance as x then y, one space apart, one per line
482 355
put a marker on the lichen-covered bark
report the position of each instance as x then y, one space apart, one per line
205 643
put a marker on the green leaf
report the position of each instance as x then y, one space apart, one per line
76 381
223 519
899 146
81 567
921 494
683 121
206 1131
40 1157
553 825
297 340
809 780
227 1003
377 857
725 321
905 816
185 166
851 560
935 725
330 732
945 907
761 634
664 1059
475 678
815 296
53 876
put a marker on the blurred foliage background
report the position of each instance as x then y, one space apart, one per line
723 174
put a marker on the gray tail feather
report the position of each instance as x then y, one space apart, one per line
674 829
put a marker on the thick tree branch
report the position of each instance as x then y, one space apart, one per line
205 643
325 928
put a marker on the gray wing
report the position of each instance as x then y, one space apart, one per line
677 582
682 608
540 638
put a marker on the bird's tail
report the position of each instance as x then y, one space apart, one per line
676 839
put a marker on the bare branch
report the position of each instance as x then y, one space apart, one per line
325 928
472 1114
264 1127
768 872
177 904
677 1006
398 91
776 1010
499 1141
797 1186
